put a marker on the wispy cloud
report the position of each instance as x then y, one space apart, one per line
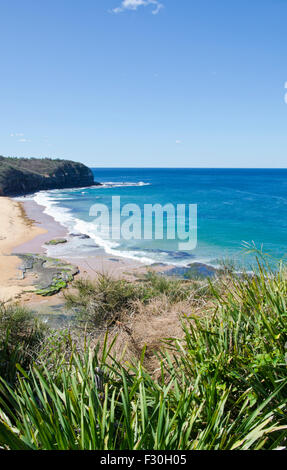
19 134
135 4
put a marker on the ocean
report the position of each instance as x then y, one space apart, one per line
234 207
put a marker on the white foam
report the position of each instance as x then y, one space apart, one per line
113 184
64 216
73 224
104 185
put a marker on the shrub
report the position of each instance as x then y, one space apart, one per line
222 386
20 336
93 406
99 303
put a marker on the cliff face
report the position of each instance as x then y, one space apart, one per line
19 176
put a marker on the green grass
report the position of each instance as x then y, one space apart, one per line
20 336
100 302
221 386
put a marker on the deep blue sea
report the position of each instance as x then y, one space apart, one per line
234 206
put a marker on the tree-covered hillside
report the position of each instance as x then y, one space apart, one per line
25 175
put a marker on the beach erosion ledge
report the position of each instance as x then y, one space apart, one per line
20 176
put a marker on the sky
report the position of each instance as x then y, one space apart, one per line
145 83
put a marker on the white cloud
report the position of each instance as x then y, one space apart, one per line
135 4
178 142
20 137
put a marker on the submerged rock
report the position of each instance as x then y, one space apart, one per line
56 241
193 271
82 236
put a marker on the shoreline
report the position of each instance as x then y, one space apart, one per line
95 258
16 228
24 230
32 228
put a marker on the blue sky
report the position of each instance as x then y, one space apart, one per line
188 83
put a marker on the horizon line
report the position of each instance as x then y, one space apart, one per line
184 167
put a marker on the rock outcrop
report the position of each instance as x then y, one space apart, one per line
19 176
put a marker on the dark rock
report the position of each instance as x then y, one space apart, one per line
80 235
56 241
50 274
193 271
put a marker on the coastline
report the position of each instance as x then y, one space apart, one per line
16 228
94 260
24 230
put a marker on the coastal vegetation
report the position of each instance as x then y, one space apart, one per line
21 334
118 380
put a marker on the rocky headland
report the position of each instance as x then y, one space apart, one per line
20 176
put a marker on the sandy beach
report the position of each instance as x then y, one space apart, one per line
15 229
24 229
94 260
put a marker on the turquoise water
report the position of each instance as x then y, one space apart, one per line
234 206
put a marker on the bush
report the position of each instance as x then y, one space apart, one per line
101 302
223 386
93 406
20 336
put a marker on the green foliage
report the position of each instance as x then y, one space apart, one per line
223 386
52 274
56 285
41 166
20 336
100 302
175 290
130 410
242 347
56 241
24 175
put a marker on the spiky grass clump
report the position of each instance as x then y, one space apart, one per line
101 302
222 386
132 411
20 335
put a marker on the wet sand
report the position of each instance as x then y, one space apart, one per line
15 228
25 228
52 229
90 263
94 261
